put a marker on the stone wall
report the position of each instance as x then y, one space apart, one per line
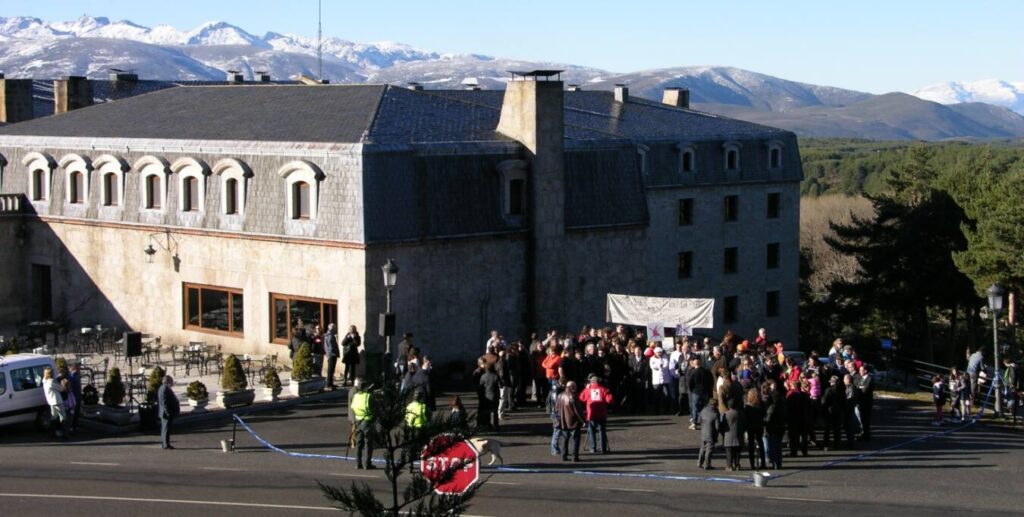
103 265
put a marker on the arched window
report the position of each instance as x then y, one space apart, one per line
155 172
732 156
40 169
111 191
775 155
111 171
154 192
191 184
303 189
513 190
300 200
39 185
234 176
231 196
77 184
687 161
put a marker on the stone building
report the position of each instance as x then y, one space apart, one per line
226 214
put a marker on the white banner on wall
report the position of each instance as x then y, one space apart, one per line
671 312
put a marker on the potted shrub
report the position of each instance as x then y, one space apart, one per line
113 397
148 410
234 384
272 385
303 382
197 395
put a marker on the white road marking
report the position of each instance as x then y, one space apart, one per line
94 463
625 489
229 469
172 501
503 483
801 499
344 475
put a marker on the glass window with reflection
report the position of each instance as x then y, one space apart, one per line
214 309
291 312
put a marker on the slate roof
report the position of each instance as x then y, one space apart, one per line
360 113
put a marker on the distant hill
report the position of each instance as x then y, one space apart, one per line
91 46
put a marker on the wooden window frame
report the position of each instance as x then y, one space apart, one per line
274 297
190 194
77 185
111 189
185 286
297 195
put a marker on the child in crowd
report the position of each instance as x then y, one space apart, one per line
708 435
939 398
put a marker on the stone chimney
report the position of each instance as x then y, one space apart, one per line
311 81
262 76
533 113
677 97
71 93
126 77
621 93
235 76
415 86
15 100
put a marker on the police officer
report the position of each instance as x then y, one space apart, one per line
415 420
363 421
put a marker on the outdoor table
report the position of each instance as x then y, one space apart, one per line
194 356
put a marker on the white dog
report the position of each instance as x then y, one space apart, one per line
488 446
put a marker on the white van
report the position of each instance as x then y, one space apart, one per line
21 388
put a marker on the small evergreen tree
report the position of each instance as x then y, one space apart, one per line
302 364
113 392
272 380
401 447
156 379
233 378
197 391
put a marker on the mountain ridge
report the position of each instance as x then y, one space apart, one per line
91 46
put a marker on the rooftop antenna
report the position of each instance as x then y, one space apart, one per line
319 40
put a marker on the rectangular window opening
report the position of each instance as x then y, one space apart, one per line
731 308
291 312
212 309
685 264
686 212
771 304
732 208
774 204
731 260
772 256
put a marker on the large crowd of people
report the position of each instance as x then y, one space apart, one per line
736 393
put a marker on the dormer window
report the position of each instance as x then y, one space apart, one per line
39 185
155 173
302 180
111 170
641 159
190 195
111 191
153 192
234 176
300 200
731 157
775 155
231 196
687 160
76 184
191 183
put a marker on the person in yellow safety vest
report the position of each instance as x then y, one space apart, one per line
363 421
415 420
416 412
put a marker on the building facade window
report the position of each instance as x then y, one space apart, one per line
302 180
731 208
686 212
687 160
730 260
111 192
771 304
641 159
190 194
774 158
300 200
77 184
213 309
774 205
153 192
730 306
231 196
772 256
731 156
155 173
111 170
516 196
290 312
685 264
234 176
40 190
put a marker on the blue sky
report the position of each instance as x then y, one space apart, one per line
868 45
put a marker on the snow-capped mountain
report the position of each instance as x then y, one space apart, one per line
91 46
991 91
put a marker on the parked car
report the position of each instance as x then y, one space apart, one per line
21 389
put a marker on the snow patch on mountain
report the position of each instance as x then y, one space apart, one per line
1009 94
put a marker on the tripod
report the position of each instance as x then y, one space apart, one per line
132 401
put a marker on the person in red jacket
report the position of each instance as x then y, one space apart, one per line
597 398
551 364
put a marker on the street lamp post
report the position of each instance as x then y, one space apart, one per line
390 270
995 304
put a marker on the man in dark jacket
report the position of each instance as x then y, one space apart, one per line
833 402
490 390
709 430
571 419
350 354
699 383
866 386
333 352
732 437
169 408
774 423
